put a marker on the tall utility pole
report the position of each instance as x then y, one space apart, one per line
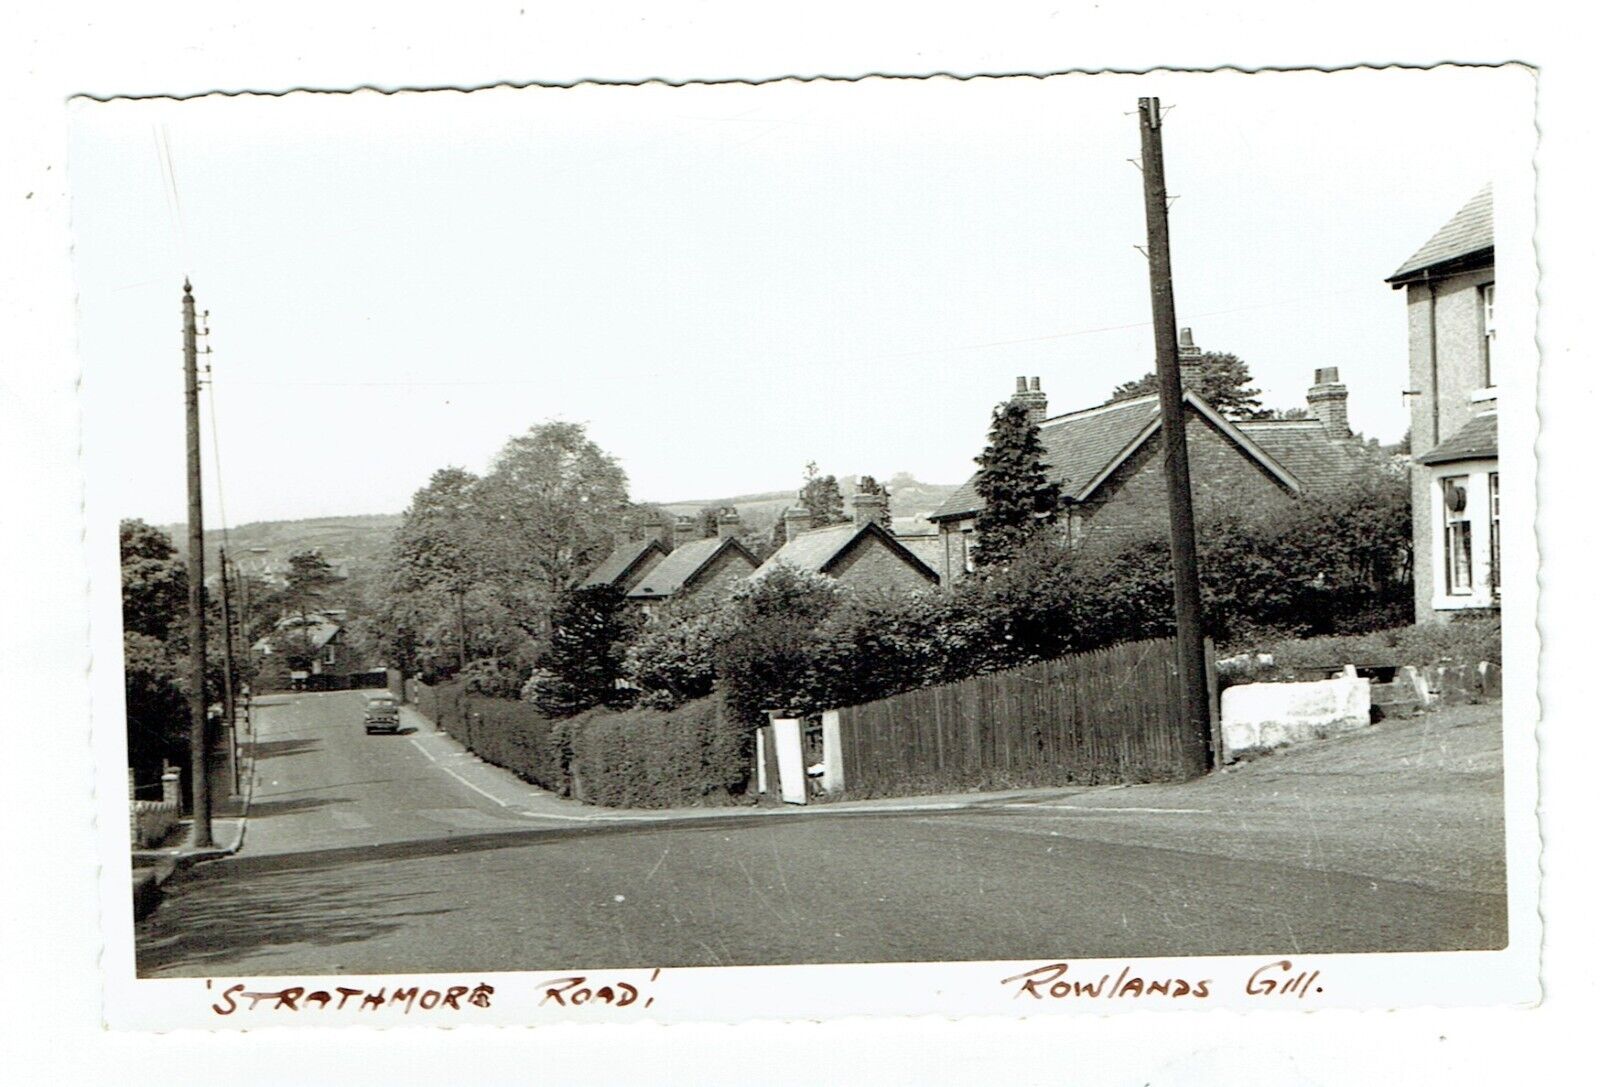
199 735
1180 505
228 708
244 628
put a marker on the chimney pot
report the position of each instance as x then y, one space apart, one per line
727 524
1030 396
1329 401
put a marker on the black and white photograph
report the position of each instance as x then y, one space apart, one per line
552 546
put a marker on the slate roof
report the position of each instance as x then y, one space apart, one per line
1470 231
818 549
926 546
1081 447
682 565
1077 448
1306 449
319 630
1478 437
617 564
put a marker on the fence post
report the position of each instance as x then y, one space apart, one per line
791 759
832 754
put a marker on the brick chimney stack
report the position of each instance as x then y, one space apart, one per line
657 527
796 519
1190 365
1029 396
685 531
867 508
1329 401
728 524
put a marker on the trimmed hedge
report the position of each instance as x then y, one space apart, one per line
644 758
501 731
638 758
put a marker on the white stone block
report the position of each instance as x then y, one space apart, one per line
1261 716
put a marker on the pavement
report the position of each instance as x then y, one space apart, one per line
383 854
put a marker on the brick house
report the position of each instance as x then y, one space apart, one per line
1455 484
632 559
694 566
1108 461
860 553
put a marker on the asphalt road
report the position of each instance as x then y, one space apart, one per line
367 855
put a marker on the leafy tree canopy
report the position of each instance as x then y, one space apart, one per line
1225 384
155 583
551 503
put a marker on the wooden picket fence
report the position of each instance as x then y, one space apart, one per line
1111 715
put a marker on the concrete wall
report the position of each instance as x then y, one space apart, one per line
1262 716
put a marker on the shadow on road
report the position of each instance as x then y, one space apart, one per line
275 749
266 809
211 920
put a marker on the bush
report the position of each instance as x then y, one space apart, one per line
1465 642
768 659
489 678
674 660
645 758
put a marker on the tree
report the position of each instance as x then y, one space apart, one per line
155 597
155 582
1224 384
551 504
821 495
869 485
438 552
1019 498
589 632
309 579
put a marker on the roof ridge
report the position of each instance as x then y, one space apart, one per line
1082 413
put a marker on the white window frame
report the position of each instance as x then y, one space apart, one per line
1495 566
1454 526
1486 319
1474 477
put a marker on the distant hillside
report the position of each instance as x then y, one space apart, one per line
910 502
356 543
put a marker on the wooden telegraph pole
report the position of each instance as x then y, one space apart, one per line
229 708
199 734
1180 505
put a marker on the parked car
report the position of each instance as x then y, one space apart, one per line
383 713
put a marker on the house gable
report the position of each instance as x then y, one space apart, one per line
862 556
627 564
1131 500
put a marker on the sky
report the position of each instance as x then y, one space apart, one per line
725 282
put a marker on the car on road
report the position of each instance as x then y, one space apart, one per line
382 713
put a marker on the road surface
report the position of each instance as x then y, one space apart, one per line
399 854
